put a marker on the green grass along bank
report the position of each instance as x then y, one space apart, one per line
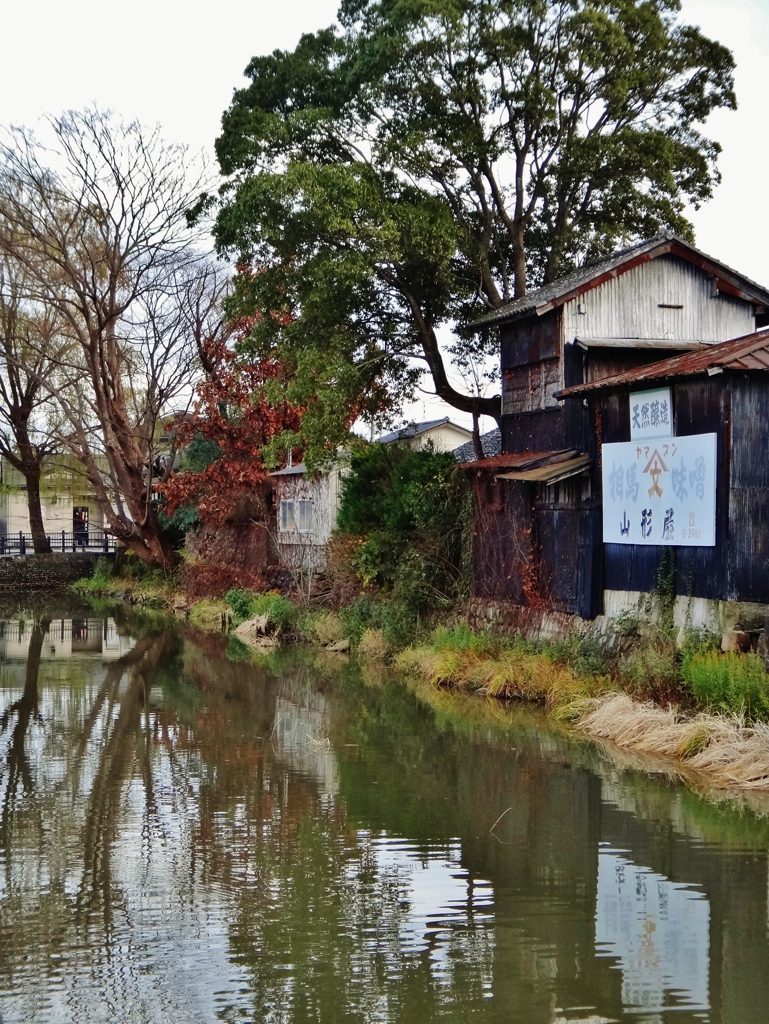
635 686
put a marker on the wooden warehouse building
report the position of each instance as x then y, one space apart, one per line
721 391
538 537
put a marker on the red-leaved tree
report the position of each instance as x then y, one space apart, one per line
238 407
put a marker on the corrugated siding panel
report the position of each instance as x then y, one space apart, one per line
628 306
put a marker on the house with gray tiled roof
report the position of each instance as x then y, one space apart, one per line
491 445
443 434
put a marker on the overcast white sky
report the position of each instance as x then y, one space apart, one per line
177 63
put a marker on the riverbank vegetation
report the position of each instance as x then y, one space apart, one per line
690 706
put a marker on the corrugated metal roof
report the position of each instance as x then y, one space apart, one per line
550 471
557 292
748 353
522 461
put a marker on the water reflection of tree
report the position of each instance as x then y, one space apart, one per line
316 921
58 838
17 769
127 745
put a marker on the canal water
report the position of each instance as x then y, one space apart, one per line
188 836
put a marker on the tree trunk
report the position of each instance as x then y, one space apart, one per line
155 550
477 437
519 260
17 767
40 541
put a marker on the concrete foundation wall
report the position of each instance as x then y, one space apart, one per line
542 624
689 612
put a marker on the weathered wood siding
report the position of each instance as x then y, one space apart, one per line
736 408
633 305
501 537
537 546
749 488
568 561
299 549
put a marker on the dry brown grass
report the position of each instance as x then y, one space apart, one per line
373 645
507 673
731 754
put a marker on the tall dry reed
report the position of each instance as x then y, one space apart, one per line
731 753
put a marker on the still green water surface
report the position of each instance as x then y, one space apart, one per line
189 838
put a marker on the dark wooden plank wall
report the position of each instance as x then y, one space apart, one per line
532 551
502 536
748 550
736 408
525 346
573 562
570 552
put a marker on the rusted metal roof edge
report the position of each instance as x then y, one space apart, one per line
727 355
523 460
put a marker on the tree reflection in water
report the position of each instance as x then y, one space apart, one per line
187 838
163 854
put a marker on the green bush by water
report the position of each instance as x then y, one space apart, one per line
733 683
462 638
240 601
398 623
99 579
410 513
281 612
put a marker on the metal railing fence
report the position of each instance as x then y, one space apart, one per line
85 542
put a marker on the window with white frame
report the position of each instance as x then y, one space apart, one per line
296 515
287 516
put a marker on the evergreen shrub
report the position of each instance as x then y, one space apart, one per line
410 512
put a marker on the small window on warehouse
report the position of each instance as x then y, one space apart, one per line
303 513
287 523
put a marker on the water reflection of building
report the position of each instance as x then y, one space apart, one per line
659 933
572 939
65 638
441 914
301 732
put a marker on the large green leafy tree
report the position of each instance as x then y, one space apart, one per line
425 160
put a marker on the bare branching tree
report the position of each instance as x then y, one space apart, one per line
97 220
31 349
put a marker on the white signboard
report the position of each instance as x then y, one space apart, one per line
660 491
651 414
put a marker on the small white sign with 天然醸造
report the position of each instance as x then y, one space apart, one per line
651 414
660 491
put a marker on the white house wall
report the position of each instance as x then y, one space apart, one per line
632 306
445 438
324 491
57 513
64 639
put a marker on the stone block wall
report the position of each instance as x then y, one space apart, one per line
43 574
